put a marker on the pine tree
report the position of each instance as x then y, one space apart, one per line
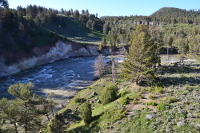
4 3
87 113
10 112
29 117
141 57
56 125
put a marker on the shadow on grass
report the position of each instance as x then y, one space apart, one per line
181 81
179 69
71 115
92 127
183 74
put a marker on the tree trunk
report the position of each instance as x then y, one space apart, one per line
15 125
48 117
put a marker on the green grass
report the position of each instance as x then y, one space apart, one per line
170 105
74 31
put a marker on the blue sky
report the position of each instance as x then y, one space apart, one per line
111 7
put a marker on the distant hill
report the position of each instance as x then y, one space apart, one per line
174 12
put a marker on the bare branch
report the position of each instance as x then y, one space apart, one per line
99 66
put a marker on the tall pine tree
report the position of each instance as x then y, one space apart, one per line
141 58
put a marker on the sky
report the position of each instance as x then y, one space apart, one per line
110 7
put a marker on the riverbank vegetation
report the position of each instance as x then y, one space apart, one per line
172 105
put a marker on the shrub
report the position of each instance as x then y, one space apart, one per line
157 90
87 113
161 106
113 114
79 100
153 97
124 100
135 96
108 94
171 99
152 103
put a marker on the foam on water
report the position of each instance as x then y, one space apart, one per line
59 77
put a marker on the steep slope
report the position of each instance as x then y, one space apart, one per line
73 30
21 32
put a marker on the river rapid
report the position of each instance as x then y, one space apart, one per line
63 78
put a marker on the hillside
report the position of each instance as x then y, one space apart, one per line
24 29
171 107
174 13
73 30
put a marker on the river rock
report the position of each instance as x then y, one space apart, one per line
149 117
180 123
198 125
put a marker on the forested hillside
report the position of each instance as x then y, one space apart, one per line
177 15
23 29
174 28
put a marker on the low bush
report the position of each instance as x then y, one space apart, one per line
157 90
108 94
124 100
171 99
79 100
161 106
152 103
135 96
153 97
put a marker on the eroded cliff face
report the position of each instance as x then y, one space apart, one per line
47 55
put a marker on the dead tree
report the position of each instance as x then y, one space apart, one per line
99 66
114 77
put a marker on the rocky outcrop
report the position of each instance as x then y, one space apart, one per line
41 56
92 49
50 54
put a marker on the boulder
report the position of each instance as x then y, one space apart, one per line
149 117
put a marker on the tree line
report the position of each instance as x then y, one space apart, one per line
179 38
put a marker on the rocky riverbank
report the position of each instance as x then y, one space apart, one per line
41 56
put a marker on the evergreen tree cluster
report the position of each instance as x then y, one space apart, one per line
24 112
142 58
21 28
120 28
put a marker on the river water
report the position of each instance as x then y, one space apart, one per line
63 78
